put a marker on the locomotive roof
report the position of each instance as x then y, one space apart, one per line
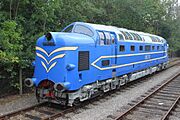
148 37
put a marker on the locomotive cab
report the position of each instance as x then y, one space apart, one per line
56 63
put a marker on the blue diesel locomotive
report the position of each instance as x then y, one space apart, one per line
85 60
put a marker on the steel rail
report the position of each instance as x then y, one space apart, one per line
59 114
141 101
8 115
172 107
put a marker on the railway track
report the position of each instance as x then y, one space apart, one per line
44 111
158 104
174 113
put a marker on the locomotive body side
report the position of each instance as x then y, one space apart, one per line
91 59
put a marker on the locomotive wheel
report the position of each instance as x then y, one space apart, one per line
77 102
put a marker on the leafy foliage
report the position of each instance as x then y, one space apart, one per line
23 21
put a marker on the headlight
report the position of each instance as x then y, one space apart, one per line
48 36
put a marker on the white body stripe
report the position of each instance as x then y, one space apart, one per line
126 55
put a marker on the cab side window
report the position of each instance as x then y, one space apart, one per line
83 30
69 29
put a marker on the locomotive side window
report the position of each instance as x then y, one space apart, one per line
125 35
132 36
105 63
129 36
102 38
112 38
121 37
135 37
147 47
154 39
153 47
108 38
157 47
141 48
158 39
132 48
139 37
121 48
83 30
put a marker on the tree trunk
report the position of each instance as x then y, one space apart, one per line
20 81
44 25
16 11
10 8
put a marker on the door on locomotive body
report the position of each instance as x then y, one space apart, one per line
114 51
109 40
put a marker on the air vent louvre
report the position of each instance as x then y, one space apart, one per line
83 61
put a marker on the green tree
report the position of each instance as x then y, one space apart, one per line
10 49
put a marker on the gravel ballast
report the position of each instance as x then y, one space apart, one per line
109 107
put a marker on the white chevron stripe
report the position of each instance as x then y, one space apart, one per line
41 56
44 66
56 57
56 50
51 66
48 62
42 50
47 70
63 49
